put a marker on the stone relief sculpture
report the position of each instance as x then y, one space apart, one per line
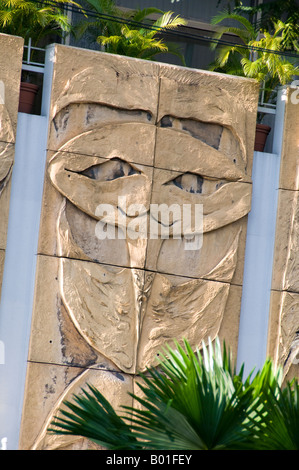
286 342
153 135
7 159
10 73
6 147
283 344
6 164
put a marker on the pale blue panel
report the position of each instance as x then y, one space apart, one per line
257 280
19 269
258 262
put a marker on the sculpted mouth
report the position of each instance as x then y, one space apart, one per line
132 216
171 224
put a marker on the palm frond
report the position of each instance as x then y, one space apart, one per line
138 35
167 21
32 19
139 15
279 428
92 416
225 15
192 401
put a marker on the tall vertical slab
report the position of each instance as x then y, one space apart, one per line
128 137
283 338
11 53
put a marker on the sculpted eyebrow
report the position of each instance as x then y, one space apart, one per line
95 113
208 132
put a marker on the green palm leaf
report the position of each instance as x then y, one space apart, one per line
225 15
279 428
139 16
92 416
257 61
34 20
193 400
134 35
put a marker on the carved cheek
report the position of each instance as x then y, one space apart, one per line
66 173
230 202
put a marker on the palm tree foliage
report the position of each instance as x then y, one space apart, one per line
267 14
131 34
191 401
32 19
258 54
264 14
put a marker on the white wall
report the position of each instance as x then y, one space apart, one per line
19 269
253 332
20 261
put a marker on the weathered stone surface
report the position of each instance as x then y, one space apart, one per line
273 327
6 165
286 216
179 308
210 106
2 257
129 326
118 139
284 309
289 170
53 384
11 53
94 79
290 232
229 328
11 48
199 157
4 211
149 134
286 350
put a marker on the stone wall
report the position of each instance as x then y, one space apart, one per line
283 341
129 131
11 52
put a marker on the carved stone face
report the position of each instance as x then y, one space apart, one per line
123 128
142 292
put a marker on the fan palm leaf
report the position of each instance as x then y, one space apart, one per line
203 392
193 400
278 428
92 416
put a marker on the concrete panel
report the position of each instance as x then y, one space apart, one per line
153 134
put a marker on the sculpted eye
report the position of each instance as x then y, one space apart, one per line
110 170
209 133
196 184
189 182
